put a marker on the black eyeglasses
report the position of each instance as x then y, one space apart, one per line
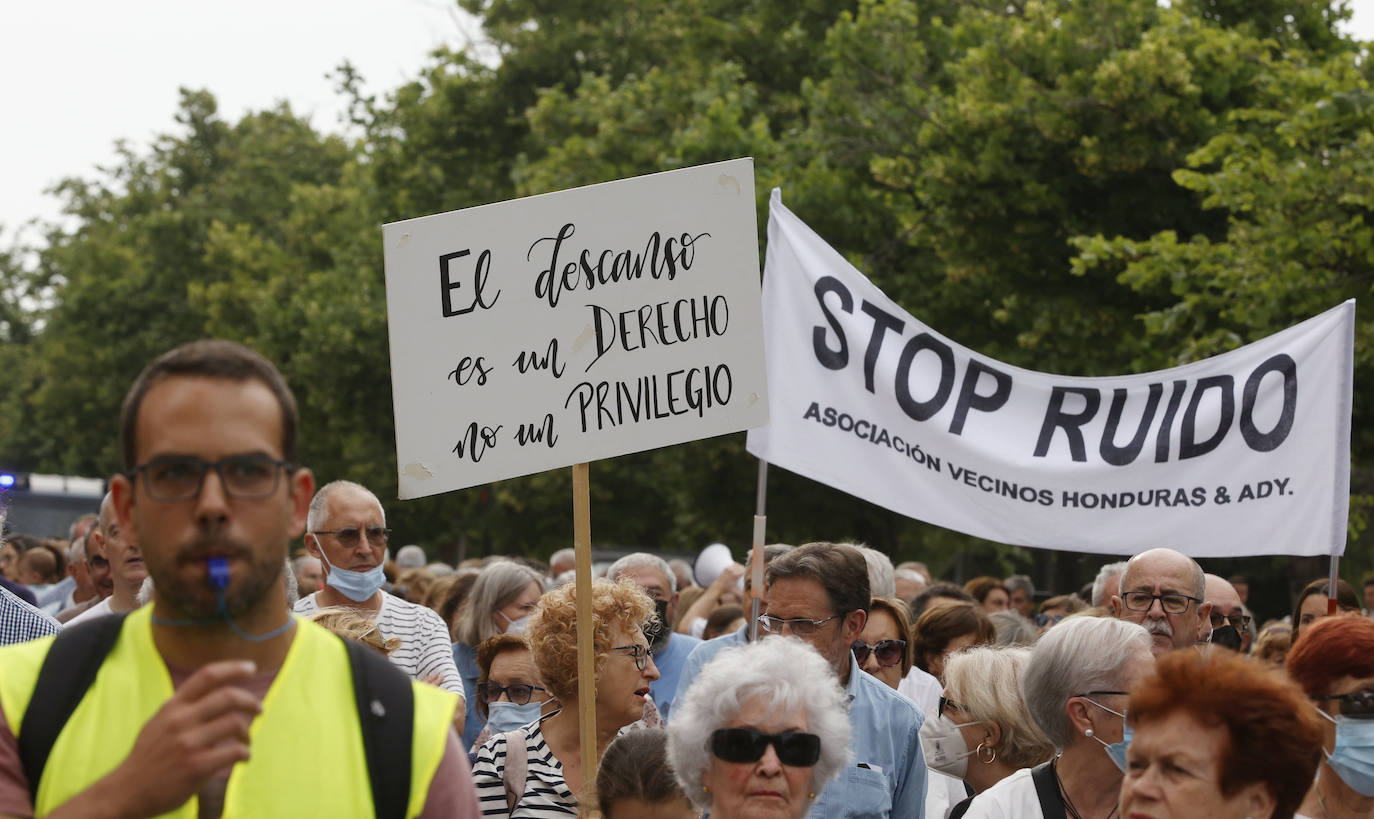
794 748
1240 621
518 693
1356 705
350 536
800 626
888 652
1172 603
946 703
175 478
639 652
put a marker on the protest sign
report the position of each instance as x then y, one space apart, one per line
572 326
1245 453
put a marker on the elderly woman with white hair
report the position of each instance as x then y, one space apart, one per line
761 731
983 733
1075 687
501 600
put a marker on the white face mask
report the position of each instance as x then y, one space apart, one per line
516 626
943 746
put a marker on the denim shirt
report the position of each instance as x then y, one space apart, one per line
887 776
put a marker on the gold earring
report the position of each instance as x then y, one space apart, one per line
706 788
811 796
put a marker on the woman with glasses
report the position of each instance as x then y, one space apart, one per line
508 693
550 752
883 649
501 600
983 733
1220 736
1333 662
762 730
1075 686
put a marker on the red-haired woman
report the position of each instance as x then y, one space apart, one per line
1333 661
1218 735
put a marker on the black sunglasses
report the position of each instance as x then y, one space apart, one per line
794 748
1356 705
946 703
888 652
519 693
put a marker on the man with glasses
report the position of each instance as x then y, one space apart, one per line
1230 625
1164 591
209 700
346 529
819 593
652 574
125 560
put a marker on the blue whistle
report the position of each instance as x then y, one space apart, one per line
219 572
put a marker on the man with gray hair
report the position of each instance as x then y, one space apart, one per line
1022 592
670 650
563 560
1107 583
1164 591
345 528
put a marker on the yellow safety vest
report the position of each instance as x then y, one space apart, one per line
307 748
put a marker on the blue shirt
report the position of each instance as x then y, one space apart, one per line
20 622
887 777
465 657
669 664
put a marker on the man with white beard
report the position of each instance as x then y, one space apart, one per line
1164 591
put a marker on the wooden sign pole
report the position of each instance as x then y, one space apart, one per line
586 651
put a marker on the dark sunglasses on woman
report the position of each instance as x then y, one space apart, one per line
888 652
748 745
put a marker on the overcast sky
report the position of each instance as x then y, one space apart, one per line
81 74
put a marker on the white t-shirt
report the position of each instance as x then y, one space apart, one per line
425 645
99 609
1012 798
923 689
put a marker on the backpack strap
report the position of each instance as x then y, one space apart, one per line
68 670
386 713
1047 788
514 772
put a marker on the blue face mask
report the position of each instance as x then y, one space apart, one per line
1116 750
507 716
356 586
1353 756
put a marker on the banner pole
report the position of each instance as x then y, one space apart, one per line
586 652
756 564
1331 605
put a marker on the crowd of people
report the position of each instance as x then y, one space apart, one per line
173 657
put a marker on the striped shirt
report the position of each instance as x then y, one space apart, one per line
20 622
546 792
425 648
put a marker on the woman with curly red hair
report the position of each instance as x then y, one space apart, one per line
1333 661
1218 735
552 756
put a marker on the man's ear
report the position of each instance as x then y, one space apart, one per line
1115 605
853 625
122 496
302 490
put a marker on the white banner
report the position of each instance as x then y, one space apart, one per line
1246 453
562 328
